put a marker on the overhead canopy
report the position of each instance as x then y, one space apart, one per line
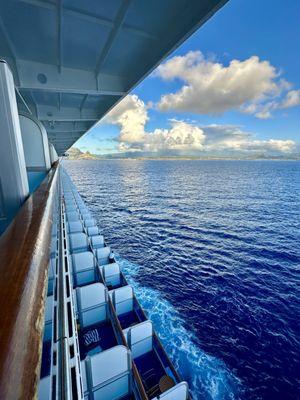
73 60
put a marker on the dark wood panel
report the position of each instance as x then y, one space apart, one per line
24 257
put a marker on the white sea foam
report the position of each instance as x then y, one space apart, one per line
208 377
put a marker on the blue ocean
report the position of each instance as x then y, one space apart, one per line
212 249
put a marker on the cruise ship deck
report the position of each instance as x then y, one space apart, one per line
94 322
72 327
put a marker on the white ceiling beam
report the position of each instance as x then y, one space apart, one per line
52 114
72 91
61 132
120 17
45 77
73 12
67 126
64 142
59 36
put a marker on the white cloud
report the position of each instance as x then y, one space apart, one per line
232 137
181 136
264 111
291 99
281 146
211 88
131 115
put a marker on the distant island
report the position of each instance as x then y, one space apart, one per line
76 154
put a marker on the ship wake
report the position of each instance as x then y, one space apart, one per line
208 377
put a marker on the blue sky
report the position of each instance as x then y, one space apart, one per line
265 119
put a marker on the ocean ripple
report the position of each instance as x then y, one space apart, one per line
212 249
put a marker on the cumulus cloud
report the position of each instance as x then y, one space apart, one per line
181 136
131 115
291 99
281 146
210 87
232 137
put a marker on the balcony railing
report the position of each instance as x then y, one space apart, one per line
24 258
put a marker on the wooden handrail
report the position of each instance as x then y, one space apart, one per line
24 258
